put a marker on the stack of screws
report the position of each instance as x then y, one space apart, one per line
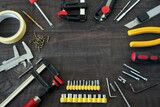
92 85
38 41
79 98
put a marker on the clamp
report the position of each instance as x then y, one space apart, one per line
141 31
73 6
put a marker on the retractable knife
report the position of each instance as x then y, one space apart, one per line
104 10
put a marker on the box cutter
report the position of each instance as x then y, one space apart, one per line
7 65
104 10
143 17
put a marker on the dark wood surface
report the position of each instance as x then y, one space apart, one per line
81 50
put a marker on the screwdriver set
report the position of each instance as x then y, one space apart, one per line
90 85
83 98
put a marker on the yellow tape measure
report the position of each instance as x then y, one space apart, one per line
22 28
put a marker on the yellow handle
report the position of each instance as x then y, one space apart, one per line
145 43
144 30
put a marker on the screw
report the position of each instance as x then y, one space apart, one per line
131 68
136 78
139 76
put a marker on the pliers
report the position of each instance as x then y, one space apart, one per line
142 31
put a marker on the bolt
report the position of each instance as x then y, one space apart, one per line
136 78
139 76
131 68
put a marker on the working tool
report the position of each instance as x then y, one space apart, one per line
122 94
39 61
34 2
25 71
11 63
125 65
145 79
104 10
124 14
33 20
34 102
122 9
142 31
121 79
109 91
112 87
130 75
144 89
143 17
82 6
82 98
22 26
141 57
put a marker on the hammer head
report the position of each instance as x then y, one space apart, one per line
28 52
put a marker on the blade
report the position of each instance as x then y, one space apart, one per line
132 24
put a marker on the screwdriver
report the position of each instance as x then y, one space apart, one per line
144 57
35 3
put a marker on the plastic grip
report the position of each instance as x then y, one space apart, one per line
59 80
32 1
31 103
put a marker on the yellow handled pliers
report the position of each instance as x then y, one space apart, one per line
141 31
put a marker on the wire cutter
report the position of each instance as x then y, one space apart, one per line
142 31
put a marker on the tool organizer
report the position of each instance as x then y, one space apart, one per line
79 98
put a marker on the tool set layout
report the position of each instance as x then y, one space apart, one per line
92 87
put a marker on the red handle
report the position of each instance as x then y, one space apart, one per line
31 103
59 80
32 1
144 57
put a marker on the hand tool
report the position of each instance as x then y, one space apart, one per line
39 61
72 98
125 65
33 20
34 2
82 6
46 64
122 9
22 26
122 15
104 10
109 91
141 31
144 89
121 79
7 65
143 17
25 71
141 57
112 87
136 78
122 94
145 79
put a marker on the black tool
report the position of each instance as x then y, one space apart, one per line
145 57
144 89
73 6
104 10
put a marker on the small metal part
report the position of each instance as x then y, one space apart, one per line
92 83
98 83
145 79
80 82
89 96
144 89
94 95
48 37
99 95
25 72
122 94
121 79
109 91
112 87
76 82
104 95
68 83
130 75
122 9
39 61
125 65
95 82
79 95
84 95
69 95
122 15
89 83
33 20
64 95
71 83
83 82
86 83
74 95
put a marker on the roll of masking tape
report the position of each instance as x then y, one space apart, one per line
22 28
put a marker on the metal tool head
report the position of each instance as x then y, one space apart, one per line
28 52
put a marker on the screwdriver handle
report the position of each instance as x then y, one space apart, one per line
33 102
32 1
144 57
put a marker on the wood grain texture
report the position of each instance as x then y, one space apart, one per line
81 50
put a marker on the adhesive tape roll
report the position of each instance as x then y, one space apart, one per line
22 28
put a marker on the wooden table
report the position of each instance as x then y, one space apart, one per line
81 51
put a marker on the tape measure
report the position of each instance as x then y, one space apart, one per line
22 28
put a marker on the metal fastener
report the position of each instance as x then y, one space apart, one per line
136 78
139 76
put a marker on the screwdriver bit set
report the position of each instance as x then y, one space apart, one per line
83 98
90 85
